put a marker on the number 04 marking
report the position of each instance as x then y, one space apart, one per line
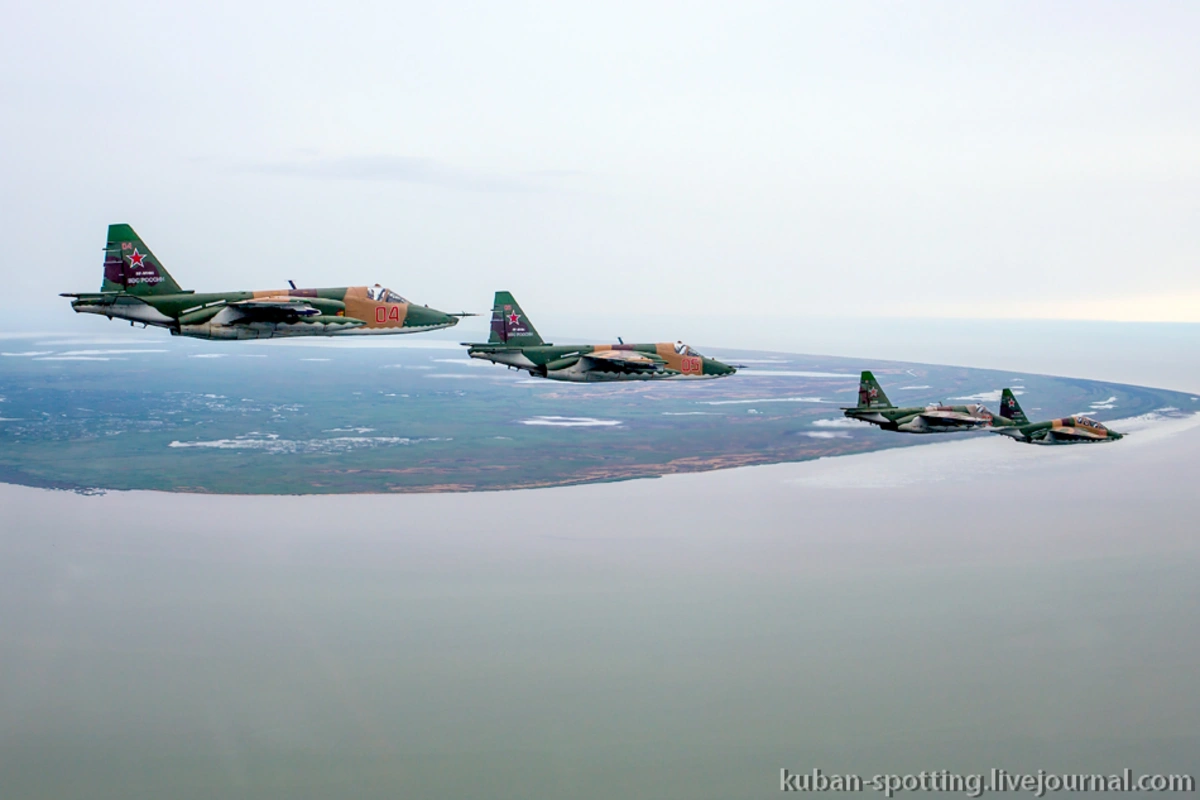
386 313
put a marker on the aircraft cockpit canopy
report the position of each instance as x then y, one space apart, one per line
1089 422
382 295
684 350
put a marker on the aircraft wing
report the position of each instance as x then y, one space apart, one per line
941 417
268 309
1073 435
629 361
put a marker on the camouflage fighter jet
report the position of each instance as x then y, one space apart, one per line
1075 429
515 343
874 407
136 287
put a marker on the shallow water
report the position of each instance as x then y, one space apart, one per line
960 606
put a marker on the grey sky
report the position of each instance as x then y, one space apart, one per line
908 159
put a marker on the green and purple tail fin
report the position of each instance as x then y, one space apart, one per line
870 393
129 266
510 325
1010 409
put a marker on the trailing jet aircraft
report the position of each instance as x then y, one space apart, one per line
874 407
515 343
1075 429
136 287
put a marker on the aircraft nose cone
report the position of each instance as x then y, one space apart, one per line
425 317
713 367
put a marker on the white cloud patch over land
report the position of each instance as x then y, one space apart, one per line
839 422
108 352
78 358
763 400
783 373
462 362
985 397
572 422
272 443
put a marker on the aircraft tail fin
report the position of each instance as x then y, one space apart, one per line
129 266
510 325
870 393
1010 409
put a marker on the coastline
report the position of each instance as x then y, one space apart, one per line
889 467
877 609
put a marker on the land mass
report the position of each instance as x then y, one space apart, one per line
269 419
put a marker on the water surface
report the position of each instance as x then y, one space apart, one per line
959 606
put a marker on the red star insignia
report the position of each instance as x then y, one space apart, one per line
873 393
514 318
135 260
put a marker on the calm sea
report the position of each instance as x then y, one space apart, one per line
959 607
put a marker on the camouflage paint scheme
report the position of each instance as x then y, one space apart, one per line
1075 429
515 343
136 287
875 408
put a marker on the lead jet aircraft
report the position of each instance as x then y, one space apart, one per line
136 287
515 343
1075 429
874 407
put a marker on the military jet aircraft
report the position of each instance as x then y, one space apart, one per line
874 407
136 287
1075 429
515 343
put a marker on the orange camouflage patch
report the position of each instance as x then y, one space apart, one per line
666 351
377 315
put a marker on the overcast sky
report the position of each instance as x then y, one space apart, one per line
901 159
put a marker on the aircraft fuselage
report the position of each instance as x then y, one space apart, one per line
570 363
331 312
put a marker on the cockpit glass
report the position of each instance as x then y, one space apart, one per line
382 295
683 350
1089 422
